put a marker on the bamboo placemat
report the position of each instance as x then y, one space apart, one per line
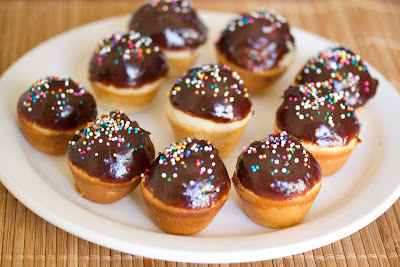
372 28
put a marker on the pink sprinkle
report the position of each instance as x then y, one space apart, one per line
88 148
366 83
260 156
286 107
283 157
366 89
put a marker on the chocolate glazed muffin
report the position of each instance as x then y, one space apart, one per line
185 187
210 102
277 180
259 46
126 71
108 156
323 120
344 70
52 110
175 27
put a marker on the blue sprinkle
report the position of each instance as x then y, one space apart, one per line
116 61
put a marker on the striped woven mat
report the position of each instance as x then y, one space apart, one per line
372 28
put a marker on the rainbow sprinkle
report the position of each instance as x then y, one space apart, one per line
44 88
129 45
196 78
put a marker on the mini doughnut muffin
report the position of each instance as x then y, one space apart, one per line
185 187
52 110
176 28
108 157
323 120
344 70
259 46
212 103
126 71
277 180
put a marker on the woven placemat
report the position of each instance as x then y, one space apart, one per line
372 28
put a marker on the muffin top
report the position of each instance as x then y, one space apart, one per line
344 70
188 174
173 25
112 148
57 103
278 167
316 113
127 60
212 92
256 41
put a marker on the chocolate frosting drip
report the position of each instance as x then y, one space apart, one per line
256 41
112 148
57 104
212 92
127 60
171 24
278 167
345 70
316 113
188 174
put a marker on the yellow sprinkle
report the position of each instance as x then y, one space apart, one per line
148 51
115 155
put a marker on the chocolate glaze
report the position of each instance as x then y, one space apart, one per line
57 104
112 148
316 113
212 92
127 60
345 70
173 25
189 174
256 41
278 167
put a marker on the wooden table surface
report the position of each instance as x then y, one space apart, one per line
371 28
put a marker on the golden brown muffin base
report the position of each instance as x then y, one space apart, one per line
98 191
176 220
331 159
47 140
275 213
126 99
257 82
223 136
180 61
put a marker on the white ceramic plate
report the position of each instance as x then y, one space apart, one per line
361 191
